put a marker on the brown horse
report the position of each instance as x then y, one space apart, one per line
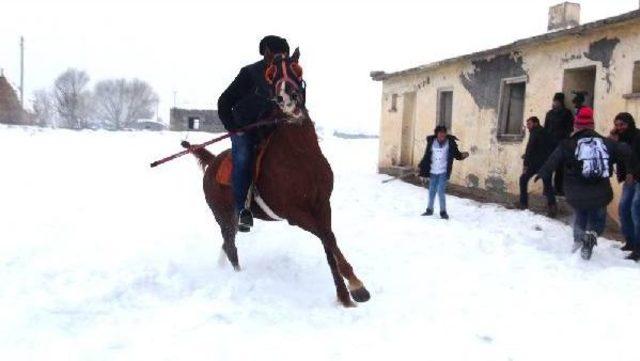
295 181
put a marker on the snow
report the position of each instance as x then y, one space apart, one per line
104 258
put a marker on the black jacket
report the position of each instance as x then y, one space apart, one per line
539 148
454 153
246 100
584 193
632 138
559 123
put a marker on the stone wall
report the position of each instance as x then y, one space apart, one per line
209 121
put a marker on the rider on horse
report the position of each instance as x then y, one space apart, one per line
244 102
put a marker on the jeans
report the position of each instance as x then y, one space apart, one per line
629 213
588 220
243 149
437 184
524 194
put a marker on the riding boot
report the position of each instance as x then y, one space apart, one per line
245 220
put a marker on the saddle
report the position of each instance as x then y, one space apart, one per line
223 176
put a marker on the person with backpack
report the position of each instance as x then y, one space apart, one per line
625 131
588 159
437 163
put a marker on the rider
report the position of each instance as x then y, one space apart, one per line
244 102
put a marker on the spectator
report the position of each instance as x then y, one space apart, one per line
559 123
539 147
578 101
588 158
629 208
437 163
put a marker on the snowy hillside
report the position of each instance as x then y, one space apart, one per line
103 258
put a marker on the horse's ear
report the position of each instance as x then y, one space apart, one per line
296 55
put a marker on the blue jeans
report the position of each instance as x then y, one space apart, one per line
588 220
243 150
627 225
437 184
629 213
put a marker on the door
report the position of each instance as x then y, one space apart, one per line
581 80
408 121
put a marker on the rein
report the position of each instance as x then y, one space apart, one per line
215 140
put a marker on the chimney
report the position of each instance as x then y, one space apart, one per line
564 16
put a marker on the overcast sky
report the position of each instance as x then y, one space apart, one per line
195 48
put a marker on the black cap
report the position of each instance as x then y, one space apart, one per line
275 43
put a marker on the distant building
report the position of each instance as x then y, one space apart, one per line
485 97
10 110
203 120
148 124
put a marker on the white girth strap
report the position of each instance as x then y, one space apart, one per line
262 204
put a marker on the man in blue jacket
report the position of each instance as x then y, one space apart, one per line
244 102
437 163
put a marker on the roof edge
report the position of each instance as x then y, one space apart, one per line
614 20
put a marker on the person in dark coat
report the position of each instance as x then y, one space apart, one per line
625 131
588 160
437 164
559 123
539 148
244 102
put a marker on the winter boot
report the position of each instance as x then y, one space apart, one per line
428 212
589 240
245 220
628 247
635 255
552 211
444 215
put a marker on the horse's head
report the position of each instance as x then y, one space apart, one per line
284 76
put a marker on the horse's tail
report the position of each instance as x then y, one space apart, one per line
204 156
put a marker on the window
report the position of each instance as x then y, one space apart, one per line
194 123
394 103
511 112
445 108
636 78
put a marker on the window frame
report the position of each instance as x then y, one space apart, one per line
393 107
501 133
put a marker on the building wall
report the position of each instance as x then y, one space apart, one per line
209 120
496 165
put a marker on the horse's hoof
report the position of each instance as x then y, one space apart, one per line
237 268
360 295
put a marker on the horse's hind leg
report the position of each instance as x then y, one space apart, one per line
227 222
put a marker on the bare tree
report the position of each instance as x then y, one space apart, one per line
72 99
120 103
43 108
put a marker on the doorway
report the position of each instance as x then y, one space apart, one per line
408 121
579 80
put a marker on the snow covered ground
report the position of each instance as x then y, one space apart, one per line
103 258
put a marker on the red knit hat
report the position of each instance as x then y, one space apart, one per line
584 119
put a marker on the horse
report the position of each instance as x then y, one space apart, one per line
295 179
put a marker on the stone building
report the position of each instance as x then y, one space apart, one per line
485 97
10 110
195 120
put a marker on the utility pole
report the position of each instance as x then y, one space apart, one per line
22 72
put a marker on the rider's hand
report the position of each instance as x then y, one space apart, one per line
629 179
